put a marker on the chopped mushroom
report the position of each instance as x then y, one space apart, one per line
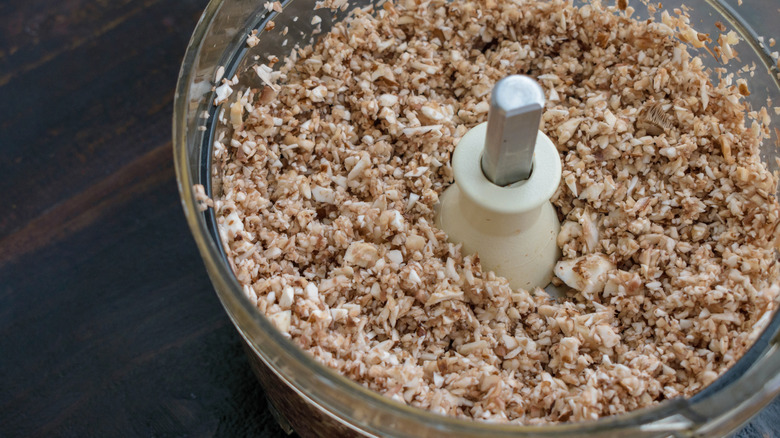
331 175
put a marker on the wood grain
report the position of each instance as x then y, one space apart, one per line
108 323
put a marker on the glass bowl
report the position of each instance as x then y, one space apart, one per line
315 400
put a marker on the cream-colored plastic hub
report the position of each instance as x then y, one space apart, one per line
512 228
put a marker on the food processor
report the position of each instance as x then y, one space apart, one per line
313 400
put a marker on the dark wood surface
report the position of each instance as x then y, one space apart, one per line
108 323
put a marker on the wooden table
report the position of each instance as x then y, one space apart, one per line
108 323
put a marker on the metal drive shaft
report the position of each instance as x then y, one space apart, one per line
515 113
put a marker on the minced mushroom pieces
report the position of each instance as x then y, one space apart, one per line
669 217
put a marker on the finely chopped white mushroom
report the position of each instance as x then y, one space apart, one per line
669 218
